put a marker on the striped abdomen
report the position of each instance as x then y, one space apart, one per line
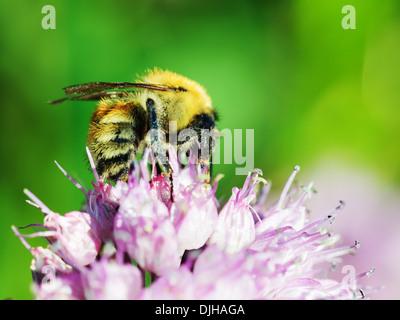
116 129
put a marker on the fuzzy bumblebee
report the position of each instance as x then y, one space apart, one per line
133 115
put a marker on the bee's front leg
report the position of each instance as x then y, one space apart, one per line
159 149
158 143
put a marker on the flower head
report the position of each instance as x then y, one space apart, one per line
75 236
109 280
194 205
235 229
172 227
102 201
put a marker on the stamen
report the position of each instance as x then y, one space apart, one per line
257 180
257 171
32 225
33 204
322 270
361 291
39 204
306 193
263 194
370 272
287 187
314 226
40 234
24 242
217 178
337 251
246 185
96 175
365 274
330 214
249 184
255 213
312 238
72 179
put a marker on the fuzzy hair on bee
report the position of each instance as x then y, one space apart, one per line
133 115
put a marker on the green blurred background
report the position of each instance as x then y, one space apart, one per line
286 69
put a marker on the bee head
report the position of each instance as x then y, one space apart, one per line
185 100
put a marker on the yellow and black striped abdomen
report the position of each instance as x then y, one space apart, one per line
115 132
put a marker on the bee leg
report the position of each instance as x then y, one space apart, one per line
159 149
210 167
158 142
206 134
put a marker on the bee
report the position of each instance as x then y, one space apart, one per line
131 116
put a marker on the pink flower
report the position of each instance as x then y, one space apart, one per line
102 204
76 236
102 201
371 215
160 188
216 275
142 226
61 287
176 284
194 205
226 276
151 242
169 227
44 259
286 242
235 228
108 280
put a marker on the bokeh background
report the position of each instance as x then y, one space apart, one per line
317 95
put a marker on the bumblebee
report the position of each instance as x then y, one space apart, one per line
133 115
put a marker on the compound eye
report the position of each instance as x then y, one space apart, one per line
149 103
